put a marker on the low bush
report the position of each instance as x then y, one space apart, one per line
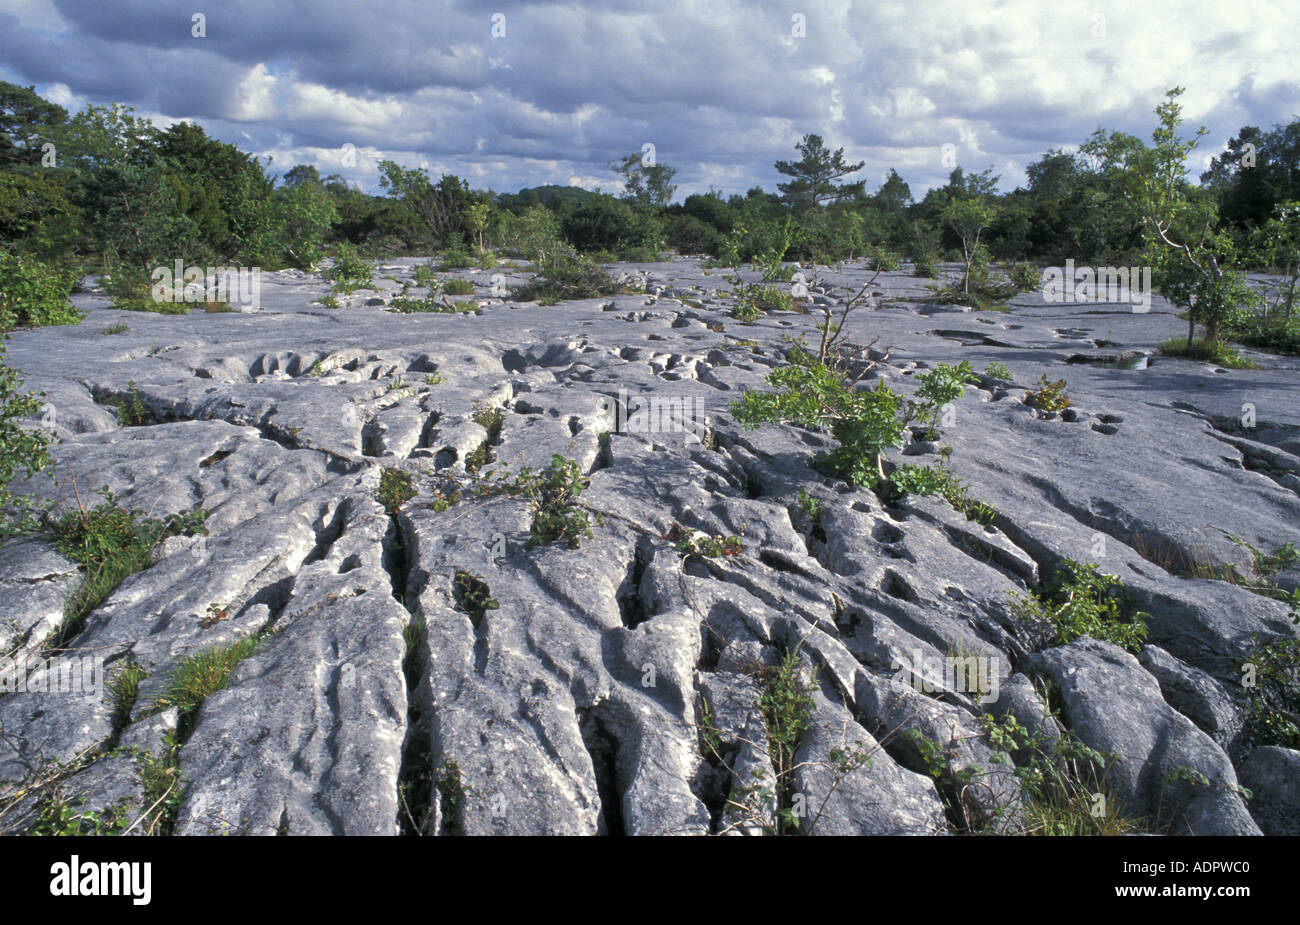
1080 601
35 294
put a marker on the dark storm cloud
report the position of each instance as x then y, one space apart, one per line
721 89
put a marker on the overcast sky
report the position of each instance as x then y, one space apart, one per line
720 89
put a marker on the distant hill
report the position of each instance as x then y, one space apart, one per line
546 195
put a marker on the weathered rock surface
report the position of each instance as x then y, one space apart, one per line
430 670
1272 775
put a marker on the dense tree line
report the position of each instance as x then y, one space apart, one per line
106 190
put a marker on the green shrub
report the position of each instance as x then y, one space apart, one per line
938 387
423 275
457 287
456 257
1026 277
926 267
132 411
1081 601
23 449
566 277
810 394
33 293
754 300
110 542
1050 396
1275 333
350 271
998 371
472 596
1271 675
1214 351
603 223
395 489
131 291
553 496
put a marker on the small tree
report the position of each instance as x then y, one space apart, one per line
817 175
304 215
1189 256
649 184
441 207
970 210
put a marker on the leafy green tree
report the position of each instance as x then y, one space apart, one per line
301 173
1259 171
305 213
1189 254
38 213
137 224
970 210
604 223
442 207
34 293
25 122
817 175
648 184
101 136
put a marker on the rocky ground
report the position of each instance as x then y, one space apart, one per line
577 704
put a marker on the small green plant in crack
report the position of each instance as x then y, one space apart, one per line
201 674
350 271
553 495
58 816
1264 566
1270 673
1062 785
491 419
472 596
328 301
939 387
120 327
132 411
556 515
413 635
753 300
456 286
110 542
433 379
122 690
786 704
160 778
423 275
395 489
811 505
998 371
1050 397
451 789
1185 775
688 542
1080 601
812 394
